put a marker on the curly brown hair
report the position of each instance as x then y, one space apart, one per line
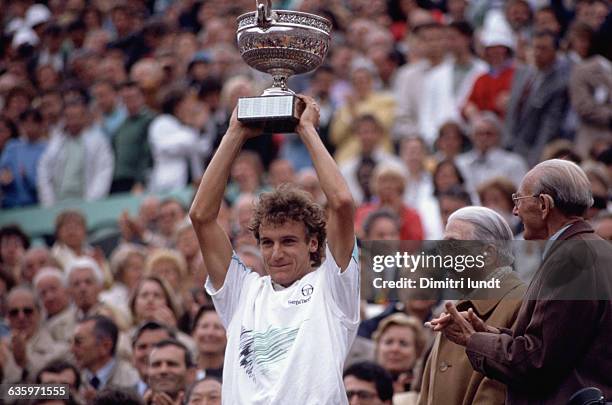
288 203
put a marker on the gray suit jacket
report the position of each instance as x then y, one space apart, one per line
536 109
591 96
123 375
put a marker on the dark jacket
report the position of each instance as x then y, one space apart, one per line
558 345
536 110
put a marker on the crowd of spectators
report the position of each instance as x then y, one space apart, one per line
427 106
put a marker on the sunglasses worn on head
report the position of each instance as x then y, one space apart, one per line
27 311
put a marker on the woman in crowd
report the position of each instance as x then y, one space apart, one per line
388 187
153 300
168 265
364 100
447 175
497 195
127 266
70 237
451 141
209 335
400 342
71 242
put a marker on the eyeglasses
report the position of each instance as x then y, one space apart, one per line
27 311
364 395
516 198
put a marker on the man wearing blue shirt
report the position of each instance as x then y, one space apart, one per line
19 161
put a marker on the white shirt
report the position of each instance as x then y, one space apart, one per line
440 103
477 168
174 147
287 346
419 196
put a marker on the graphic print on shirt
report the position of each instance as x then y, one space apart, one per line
261 351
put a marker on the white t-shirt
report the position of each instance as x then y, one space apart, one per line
287 346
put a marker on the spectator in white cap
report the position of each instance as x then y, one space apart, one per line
492 89
25 36
36 17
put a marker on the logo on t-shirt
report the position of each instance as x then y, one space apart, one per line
307 290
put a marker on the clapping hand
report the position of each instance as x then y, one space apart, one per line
18 347
161 398
457 326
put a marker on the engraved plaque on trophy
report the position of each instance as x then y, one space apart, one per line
281 43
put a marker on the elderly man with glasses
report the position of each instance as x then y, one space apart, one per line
560 342
30 346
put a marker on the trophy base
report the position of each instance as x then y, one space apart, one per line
277 114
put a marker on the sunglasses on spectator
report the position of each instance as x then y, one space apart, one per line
364 395
27 311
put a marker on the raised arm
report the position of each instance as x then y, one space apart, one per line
214 242
340 228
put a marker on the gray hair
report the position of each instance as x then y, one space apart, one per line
26 289
121 254
490 118
390 169
489 226
50 272
566 183
86 263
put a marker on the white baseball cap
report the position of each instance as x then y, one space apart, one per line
25 36
37 14
498 36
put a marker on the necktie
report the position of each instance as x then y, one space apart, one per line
95 382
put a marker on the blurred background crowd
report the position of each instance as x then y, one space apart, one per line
427 106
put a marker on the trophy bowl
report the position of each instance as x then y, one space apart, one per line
281 43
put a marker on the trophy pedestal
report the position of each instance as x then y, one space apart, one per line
277 113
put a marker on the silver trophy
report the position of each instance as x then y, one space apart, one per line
281 43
